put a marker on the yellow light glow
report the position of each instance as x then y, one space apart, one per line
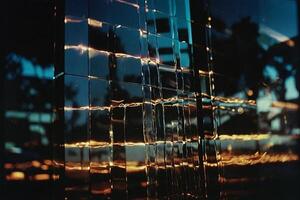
72 20
36 163
254 159
16 176
48 162
285 105
244 137
41 177
94 23
44 167
250 93
290 43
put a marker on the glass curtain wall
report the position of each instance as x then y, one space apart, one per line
127 111
177 99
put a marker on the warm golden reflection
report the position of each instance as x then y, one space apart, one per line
257 158
15 176
36 163
245 137
41 177
95 23
21 170
143 136
233 100
285 105
83 48
72 20
252 149
175 101
103 168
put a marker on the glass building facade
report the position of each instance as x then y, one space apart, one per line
150 99
130 108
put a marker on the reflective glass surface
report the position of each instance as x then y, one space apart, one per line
130 126
254 90
179 99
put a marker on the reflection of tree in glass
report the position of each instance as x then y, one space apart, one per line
103 41
71 122
284 58
27 34
239 58
21 93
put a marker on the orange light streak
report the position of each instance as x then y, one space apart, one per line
286 105
245 137
94 23
254 159
15 176
41 177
